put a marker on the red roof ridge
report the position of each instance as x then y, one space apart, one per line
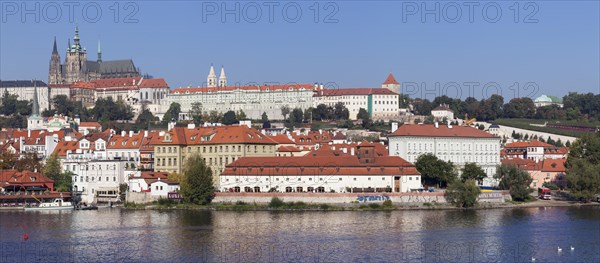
390 80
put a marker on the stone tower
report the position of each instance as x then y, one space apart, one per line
211 80
75 62
222 78
55 74
391 84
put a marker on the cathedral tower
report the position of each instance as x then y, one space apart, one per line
55 74
75 62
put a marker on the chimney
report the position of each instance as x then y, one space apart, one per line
437 125
28 133
449 126
123 133
145 133
85 132
191 126
320 131
394 126
352 151
130 134
171 125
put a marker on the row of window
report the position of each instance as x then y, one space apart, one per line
88 167
93 179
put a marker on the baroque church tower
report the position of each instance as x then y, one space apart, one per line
211 80
222 78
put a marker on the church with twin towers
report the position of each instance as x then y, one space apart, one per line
77 67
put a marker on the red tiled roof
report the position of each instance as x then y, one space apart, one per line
154 83
90 124
230 134
339 136
533 143
523 164
319 165
288 149
554 165
125 142
354 91
116 82
390 80
232 88
312 138
152 175
282 139
23 177
64 146
429 130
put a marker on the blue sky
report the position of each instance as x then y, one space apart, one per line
556 51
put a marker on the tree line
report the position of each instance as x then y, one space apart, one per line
576 106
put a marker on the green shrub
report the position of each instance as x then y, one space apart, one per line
462 194
276 202
165 201
240 203
387 203
427 204
374 206
324 206
550 185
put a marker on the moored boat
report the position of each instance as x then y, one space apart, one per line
56 204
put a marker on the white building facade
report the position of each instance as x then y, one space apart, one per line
96 180
380 103
458 144
253 100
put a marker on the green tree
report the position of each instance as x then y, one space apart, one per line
229 118
241 115
515 180
197 181
265 120
172 113
435 171
462 194
214 116
471 171
583 167
308 114
285 110
296 117
363 114
196 113
340 112
144 119
53 170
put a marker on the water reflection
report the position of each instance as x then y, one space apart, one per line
500 235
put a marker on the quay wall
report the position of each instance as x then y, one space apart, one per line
340 198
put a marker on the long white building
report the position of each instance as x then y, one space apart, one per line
458 144
322 170
253 100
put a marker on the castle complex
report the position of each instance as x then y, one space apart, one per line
78 68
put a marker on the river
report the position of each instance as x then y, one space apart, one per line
113 234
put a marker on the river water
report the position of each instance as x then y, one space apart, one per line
113 234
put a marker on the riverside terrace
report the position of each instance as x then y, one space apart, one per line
20 188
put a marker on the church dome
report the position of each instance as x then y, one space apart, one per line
543 98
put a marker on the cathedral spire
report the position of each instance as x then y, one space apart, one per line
54 49
99 52
69 44
36 105
76 39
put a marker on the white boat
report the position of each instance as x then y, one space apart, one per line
56 204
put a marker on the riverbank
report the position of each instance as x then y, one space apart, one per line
301 206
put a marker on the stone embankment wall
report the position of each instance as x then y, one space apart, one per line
141 197
340 198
